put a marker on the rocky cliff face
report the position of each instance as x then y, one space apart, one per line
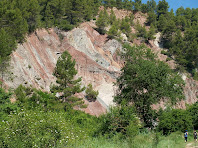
33 62
96 61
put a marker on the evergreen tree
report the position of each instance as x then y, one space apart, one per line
49 17
151 5
7 45
67 86
102 21
112 17
162 7
141 31
178 48
113 31
168 33
151 32
152 18
125 26
128 5
180 11
144 8
162 22
119 4
188 13
181 22
16 25
137 5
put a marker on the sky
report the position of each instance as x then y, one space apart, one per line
174 4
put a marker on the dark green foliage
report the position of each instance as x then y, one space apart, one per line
179 34
141 31
195 74
112 17
145 81
119 4
162 22
192 111
144 34
91 94
162 7
151 32
151 6
6 107
33 99
102 21
7 45
175 120
125 26
137 5
120 119
128 5
30 128
168 33
151 19
113 31
67 86
144 8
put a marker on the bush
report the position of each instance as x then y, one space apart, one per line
46 129
6 107
31 98
174 120
192 110
121 119
91 95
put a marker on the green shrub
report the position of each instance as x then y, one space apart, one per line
121 119
91 94
175 120
30 128
6 107
192 110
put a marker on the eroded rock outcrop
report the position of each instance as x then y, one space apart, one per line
33 62
96 61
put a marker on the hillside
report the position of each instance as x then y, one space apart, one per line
96 58
97 73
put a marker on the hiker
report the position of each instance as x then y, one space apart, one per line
186 135
195 136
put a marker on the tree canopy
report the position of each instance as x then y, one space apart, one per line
145 81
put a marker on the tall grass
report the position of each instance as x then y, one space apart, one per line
142 140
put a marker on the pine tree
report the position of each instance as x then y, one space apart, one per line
162 22
125 26
113 31
137 5
119 4
112 17
102 21
7 45
16 24
67 86
151 5
152 18
162 7
49 17
151 32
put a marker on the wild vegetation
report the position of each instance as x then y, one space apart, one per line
45 119
20 17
